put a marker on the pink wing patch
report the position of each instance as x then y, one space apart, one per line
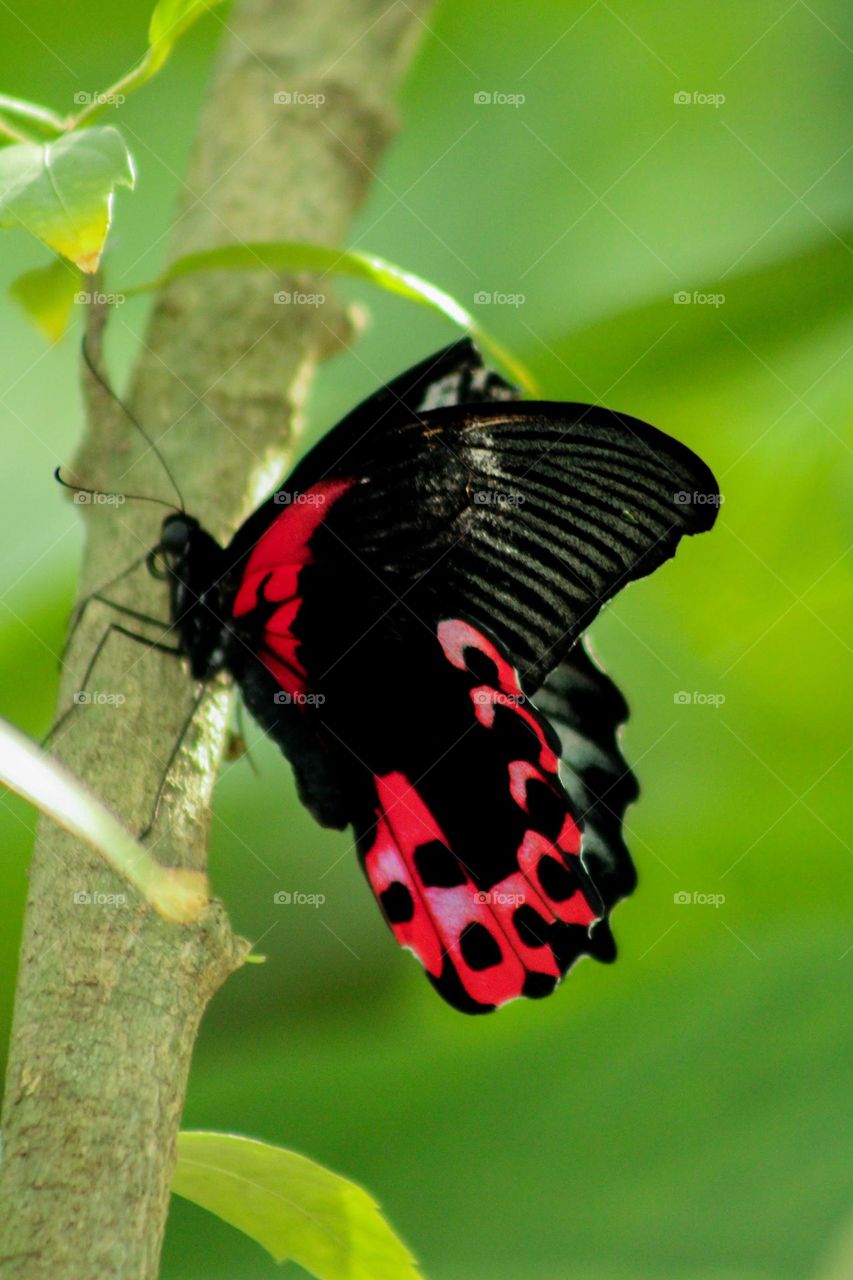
482 940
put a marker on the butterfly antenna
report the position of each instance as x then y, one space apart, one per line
100 493
131 417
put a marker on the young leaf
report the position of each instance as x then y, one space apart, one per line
295 1208
294 255
177 893
169 21
62 191
46 296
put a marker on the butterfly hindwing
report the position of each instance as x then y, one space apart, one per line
474 853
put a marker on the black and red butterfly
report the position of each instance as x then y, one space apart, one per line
404 617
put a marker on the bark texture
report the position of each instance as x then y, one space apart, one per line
109 996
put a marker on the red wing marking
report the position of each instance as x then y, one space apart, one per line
437 916
455 636
271 577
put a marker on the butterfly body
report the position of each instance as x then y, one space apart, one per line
399 615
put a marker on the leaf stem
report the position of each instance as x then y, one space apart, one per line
177 893
6 131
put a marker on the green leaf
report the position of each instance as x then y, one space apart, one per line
295 1208
169 21
179 894
294 255
46 296
62 191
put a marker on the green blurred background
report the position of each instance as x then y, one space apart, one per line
680 1114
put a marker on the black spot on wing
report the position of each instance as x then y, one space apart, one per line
537 985
480 665
557 881
531 928
546 809
397 903
479 949
437 867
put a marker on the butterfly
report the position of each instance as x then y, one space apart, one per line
404 616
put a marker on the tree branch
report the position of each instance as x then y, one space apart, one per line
110 996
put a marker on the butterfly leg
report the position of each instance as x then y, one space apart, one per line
98 594
80 697
149 644
173 755
129 613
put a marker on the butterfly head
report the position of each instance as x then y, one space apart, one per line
176 551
